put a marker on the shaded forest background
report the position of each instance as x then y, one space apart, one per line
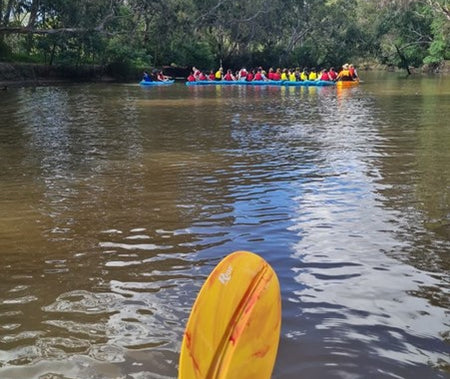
125 35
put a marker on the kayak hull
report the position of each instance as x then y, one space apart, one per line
306 83
153 84
345 84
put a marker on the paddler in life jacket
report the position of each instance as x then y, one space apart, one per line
324 75
229 76
312 74
304 74
250 75
344 75
332 74
191 77
196 72
147 77
291 75
277 75
161 77
219 74
242 75
259 76
353 72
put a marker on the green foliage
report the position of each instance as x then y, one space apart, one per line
5 50
197 54
439 49
304 55
127 34
407 33
123 57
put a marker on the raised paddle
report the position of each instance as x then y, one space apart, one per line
234 326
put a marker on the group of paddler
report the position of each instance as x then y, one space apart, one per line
155 76
347 73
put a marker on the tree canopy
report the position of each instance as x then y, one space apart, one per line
207 32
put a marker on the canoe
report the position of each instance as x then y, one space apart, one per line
344 84
151 84
234 326
315 83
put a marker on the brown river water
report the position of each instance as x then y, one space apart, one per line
117 201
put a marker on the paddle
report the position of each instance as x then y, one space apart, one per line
234 326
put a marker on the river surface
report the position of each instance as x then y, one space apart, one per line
117 201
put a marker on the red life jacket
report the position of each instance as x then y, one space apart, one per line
191 78
332 75
202 76
276 76
249 77
212 76
228 77
324 76
258 76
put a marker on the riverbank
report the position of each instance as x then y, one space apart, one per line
442 68
23 74
26 74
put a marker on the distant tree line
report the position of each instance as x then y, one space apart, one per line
205 33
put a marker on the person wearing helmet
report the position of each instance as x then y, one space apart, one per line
344 75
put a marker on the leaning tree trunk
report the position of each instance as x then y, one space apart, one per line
7 13
31 22
52 54
403 60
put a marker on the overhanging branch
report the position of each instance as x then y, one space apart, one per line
24 30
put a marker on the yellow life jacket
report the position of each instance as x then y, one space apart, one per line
292 77
312 75
218 74
303 76
284 76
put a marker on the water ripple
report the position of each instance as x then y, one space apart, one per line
118 202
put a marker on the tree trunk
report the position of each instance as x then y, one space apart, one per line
31 22
52 54
33 13
7 12
403 59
